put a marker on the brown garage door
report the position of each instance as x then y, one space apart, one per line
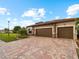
46 32
65 32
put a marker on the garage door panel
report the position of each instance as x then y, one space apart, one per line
65 32
46 32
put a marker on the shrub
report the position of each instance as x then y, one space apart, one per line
22 33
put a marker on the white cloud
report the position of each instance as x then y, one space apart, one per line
22 23
25 23
41 12
30 13
15 19
73 10
35 13
8 13
69 17
4 11
8 19
57 17
15 22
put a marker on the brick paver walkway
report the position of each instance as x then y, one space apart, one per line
39 48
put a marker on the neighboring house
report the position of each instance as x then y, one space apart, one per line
3 31
62 28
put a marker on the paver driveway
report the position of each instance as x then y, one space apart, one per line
39 48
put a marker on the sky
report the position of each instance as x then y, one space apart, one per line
27 12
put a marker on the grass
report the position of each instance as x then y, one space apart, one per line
6 38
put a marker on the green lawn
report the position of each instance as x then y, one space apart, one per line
7 38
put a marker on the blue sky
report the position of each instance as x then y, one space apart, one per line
27 12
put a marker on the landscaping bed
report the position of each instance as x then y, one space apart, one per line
77 52
77 41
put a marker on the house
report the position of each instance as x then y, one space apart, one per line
6 31
62 28
1 31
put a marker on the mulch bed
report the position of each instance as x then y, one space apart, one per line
77 41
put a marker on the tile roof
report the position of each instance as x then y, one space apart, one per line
54 22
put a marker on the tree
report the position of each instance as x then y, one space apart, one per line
22 31
6 30
16 29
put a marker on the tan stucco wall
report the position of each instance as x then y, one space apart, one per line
45 26
67 24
